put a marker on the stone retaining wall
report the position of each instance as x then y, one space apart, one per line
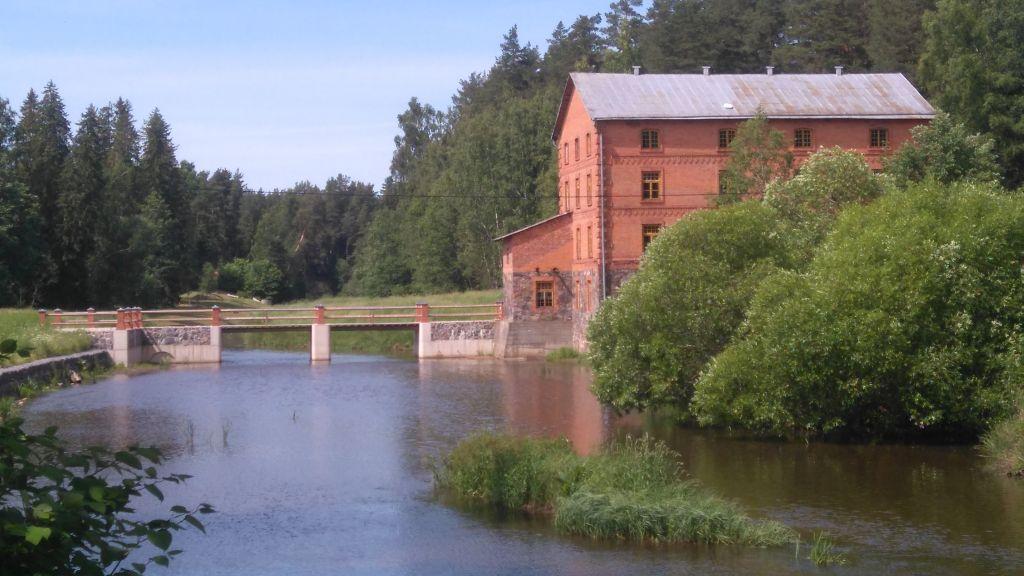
176 336
50 368
473 330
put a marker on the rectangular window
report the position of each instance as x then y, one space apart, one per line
649 140
590 242
565 153
649 232
545 294
802 138
577 192
578 295
651 185
879 137
565 203
725 137
588 144
579 243
590 191
723 183
576 149
586 298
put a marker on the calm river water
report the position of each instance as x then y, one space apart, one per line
325 470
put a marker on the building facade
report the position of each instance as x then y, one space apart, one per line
638 152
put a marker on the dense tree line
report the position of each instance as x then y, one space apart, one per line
486 166
106 215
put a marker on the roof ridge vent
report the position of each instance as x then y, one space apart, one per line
769 70
706 70
636 70
839 70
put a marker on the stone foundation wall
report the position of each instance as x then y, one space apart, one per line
102 338
520 299
177 336
617 278
472 330
49 368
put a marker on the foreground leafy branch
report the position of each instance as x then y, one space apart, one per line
65 512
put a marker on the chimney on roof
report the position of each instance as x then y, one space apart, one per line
839 70
636 70
769 70
706 70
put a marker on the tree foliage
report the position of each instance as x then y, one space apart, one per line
65 512
898 327
945 151
759 155
109 216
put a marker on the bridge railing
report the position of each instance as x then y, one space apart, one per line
127 318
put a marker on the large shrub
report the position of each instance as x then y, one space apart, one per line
690 295
899 326
946 151
649 342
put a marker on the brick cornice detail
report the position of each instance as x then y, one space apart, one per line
713 160
651 211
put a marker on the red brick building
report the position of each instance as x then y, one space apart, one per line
638 152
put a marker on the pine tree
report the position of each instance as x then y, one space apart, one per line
896 34
820 34
623 24
152 242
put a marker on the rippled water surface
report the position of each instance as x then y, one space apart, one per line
325 470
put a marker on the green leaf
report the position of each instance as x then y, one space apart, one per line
129 459
97 493
179 509
8 346
195 522
160 538
161 560
152 489
42 511
35 534
139 567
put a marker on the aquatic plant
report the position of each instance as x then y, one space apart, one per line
563 353
1003 445
823 551
634 489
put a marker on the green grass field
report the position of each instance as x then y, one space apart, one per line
23 325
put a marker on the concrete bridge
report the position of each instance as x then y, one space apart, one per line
193 336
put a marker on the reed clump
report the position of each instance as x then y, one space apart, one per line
632 490
1003 445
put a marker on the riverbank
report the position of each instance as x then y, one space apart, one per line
22 325
631 490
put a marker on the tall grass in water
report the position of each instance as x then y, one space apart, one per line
823 551
23 325
1003 445
632 490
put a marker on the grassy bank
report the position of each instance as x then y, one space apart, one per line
1003 445
23 325
633 490
394 343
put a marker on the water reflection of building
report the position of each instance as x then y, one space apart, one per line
535 398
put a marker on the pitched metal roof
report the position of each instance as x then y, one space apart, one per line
718 96
531 226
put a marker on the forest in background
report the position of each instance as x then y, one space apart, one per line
108 215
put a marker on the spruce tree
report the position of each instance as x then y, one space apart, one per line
80 211
21 247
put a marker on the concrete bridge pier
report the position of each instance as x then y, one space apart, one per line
319 338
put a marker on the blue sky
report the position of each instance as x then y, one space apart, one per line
283 91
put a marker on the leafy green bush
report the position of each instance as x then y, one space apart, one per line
231 276
946 151
648 343
72 513
632 490
264 279
899 326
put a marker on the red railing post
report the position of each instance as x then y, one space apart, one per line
119 325
137 317
42 317
90 314
499 313
56 317
215 315
422 312
320 316
138 311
